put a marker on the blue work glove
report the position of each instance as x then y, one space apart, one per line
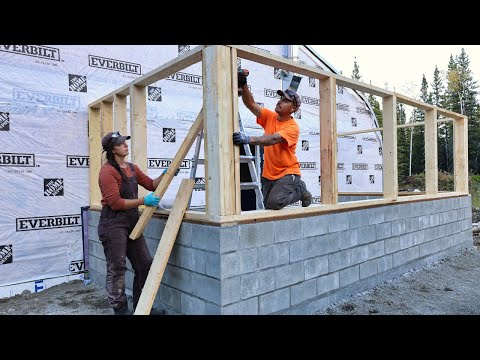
176 172
151 200
239 139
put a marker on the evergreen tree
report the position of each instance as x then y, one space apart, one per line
403 136
461 97
356 71
417 133
376 109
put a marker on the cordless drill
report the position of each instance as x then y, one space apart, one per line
242 80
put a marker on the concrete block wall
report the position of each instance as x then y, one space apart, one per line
301 265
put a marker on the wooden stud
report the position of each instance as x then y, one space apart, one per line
460 154
164 248
138 130
359 132
95 154
167 178
328 141
106 117
218 112
236 128
390 171
431 155
120 114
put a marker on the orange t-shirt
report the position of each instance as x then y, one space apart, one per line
280 159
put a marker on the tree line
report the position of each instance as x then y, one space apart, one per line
454 89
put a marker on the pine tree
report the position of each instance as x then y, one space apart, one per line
417 133
376 109
402 144
356 71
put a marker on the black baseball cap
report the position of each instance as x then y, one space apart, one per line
292 96
113 138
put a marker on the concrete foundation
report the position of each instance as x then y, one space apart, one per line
300 265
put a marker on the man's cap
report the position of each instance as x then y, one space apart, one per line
113 138
292 96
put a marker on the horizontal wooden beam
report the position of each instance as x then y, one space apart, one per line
359 132
263 57
444 120
409 125
451 114
412 102
159 73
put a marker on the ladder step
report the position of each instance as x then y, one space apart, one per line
247 157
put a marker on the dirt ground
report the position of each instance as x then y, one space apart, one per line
447 287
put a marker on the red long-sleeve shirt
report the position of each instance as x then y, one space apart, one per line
110 182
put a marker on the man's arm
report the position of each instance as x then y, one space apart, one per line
249 101
266 140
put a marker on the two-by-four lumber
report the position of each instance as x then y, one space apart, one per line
219 119
359 132
390 171
164 248
328 141
167 178
106 117
431 156
138 130
95 154
120 114
236 128
460 154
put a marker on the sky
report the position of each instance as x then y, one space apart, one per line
401 66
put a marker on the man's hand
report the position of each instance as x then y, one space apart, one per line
242 77
239 139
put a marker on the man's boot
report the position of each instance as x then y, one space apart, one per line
123 310
306 195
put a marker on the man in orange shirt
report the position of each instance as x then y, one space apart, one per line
281 177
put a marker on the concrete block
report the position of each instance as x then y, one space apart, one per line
93 233
426 249
399 258
96 249
348 239
206 288
170 296
338 260
212 265
359 218
97 264
321 245
376 215
273 255
406 241
230 291
257 283
384 263
289 274
391 213
212 309
368 268
398 227
249 260
316 267
316 225
339 222
376 249
154 228
229 239
192 305
206 238
423 222
244 307
287 230
304 291
419 236
327 283
359 254
411 225
192 259
185 234
253 235
366 234
392 245
93 217
274 301
350 275
178 278
298 250
412 253
229 265
383 231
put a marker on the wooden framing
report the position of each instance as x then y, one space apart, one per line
220 118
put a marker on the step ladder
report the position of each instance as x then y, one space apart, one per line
253 167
